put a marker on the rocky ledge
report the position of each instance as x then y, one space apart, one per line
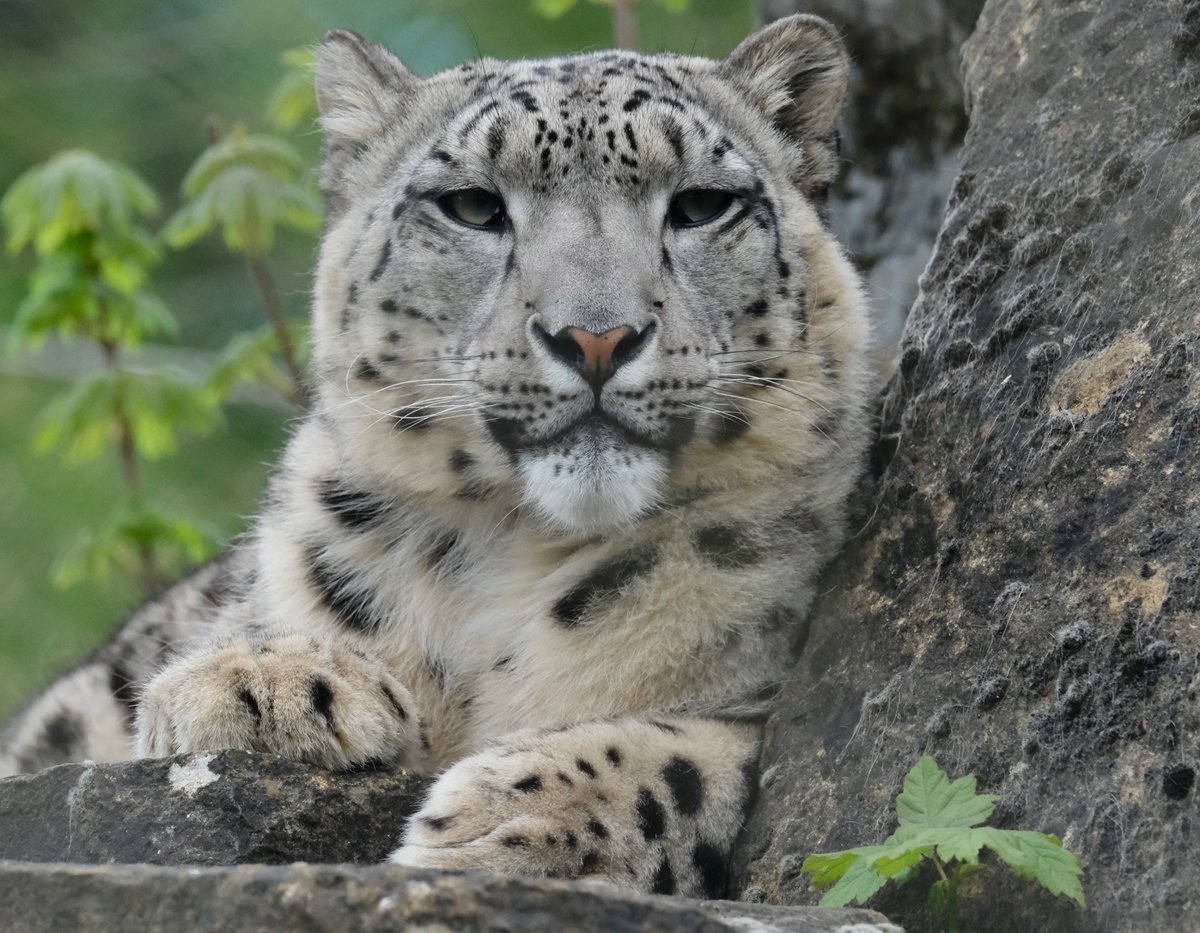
198 820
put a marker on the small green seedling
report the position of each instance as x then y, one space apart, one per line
940 821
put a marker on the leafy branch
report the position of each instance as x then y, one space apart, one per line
79 214
247 184
940 821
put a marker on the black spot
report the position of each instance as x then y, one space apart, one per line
322 700
442 155
528 785
61 740
630 138
570 840
437 823
353 508
341 592
120 685
613 755
461 461
664 878
597 829
384 258
515 841
411 418
442 546
729 426
651 817
590 861
730 547
251 704
686 786
675 138
495 139
562 776
526 100
585 767
368 373
635 100
712 867
393 702
605 583
666 727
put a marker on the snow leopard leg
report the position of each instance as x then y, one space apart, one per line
88 713
648 805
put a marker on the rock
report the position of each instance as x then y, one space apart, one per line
1022 595
223 808
902 130
232 808
348 899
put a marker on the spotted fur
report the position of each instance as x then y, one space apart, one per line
566 569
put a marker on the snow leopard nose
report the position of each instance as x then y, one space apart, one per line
595 356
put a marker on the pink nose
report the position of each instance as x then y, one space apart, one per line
597 364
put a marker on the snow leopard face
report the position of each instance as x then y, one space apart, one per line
565 282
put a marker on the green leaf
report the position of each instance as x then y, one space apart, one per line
930 800
1039 857
943 816
249 357
898 858
246 203
859 882
828 868
130 531
293 100
84 419
73 192
943 902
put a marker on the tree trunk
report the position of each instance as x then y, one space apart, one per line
1022 600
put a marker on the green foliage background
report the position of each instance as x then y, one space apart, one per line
135 81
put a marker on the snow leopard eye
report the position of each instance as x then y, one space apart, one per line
698 206
475 208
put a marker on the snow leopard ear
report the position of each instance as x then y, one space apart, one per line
796 71
360 87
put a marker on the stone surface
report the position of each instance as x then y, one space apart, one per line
1022 598
903 125
224 808
348 899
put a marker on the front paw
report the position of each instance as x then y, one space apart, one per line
288 695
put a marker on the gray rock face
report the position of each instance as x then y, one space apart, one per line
249 899
231 808
903 126
225 808
1022 599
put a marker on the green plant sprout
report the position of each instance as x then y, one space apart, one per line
78 213
247 184
940 821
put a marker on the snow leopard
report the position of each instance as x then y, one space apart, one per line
591 395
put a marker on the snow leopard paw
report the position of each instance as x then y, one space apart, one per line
289 695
